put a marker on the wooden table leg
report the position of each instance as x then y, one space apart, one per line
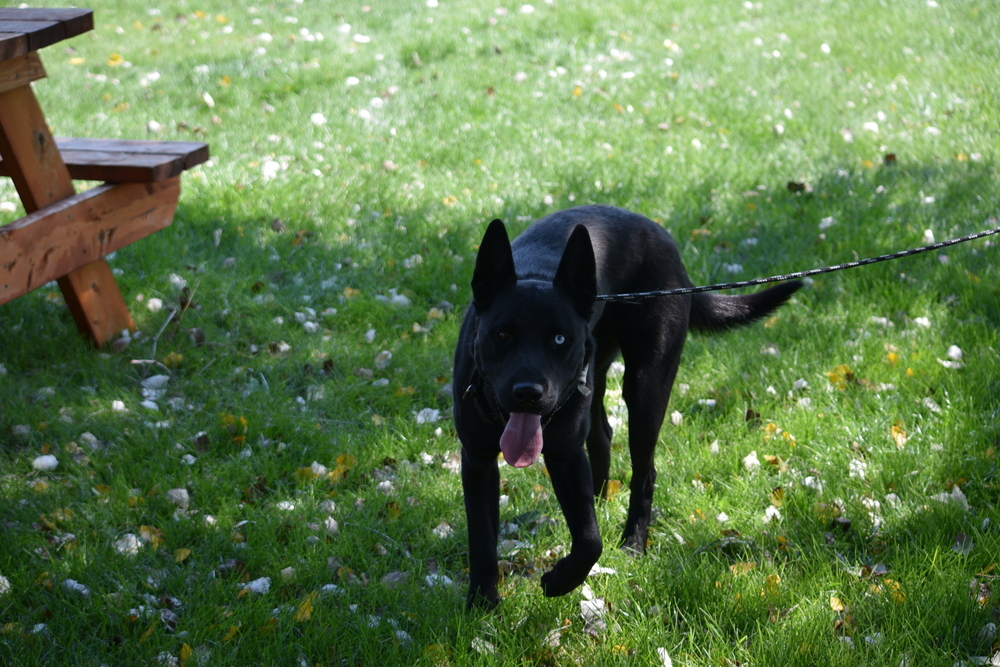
41 178
95 301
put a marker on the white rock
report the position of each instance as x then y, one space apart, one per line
128 544
258 586
45 462
179 497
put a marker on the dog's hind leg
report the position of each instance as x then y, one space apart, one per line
650 370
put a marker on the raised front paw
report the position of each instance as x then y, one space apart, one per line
568 573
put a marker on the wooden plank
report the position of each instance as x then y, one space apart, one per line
122 167
92 296
194 152
40 33
20 71
13 45
125 161
27 146
74 21
70 234
41 179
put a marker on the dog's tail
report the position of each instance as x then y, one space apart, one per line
715 312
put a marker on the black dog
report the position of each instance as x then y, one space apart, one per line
531 362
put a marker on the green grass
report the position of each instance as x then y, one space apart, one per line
458 114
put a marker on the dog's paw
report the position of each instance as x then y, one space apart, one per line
485 600
634 544
568 574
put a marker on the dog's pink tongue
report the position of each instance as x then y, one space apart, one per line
521 442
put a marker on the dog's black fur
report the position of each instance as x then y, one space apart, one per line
535 342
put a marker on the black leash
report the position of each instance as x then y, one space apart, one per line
632 297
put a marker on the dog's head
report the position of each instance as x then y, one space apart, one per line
532 335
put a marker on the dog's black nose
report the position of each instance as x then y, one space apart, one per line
528 393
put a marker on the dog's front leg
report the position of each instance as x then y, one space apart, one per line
573 484
481 486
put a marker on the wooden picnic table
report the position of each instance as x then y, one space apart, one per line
66 235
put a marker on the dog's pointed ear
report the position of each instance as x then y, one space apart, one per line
577 272
494 266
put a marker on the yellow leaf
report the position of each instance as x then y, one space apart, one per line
151 534
841 376
40 486
910 373
231 633
115 59
173 360
892 358
148 633
305 474
742 568
46 448
837 604
437 654
777 496
775 461
867 164
895 591
180 555
77 60
102 489
989 568
351 293
612 488
619 108
222 20
898 435
449 200
577 91
772 583
225 81
185 654
305 609
405 391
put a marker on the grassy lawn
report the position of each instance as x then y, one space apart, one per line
267 473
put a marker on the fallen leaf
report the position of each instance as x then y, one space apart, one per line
305 608
898 435
151 534
180 555
841 376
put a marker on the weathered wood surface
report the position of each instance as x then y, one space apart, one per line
126 161
41 26
74 232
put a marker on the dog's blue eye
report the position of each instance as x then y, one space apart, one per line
560 339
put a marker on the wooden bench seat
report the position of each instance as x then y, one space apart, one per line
125 160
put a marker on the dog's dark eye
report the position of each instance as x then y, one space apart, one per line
503 335
560 339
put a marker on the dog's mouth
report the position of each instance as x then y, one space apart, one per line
521 442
